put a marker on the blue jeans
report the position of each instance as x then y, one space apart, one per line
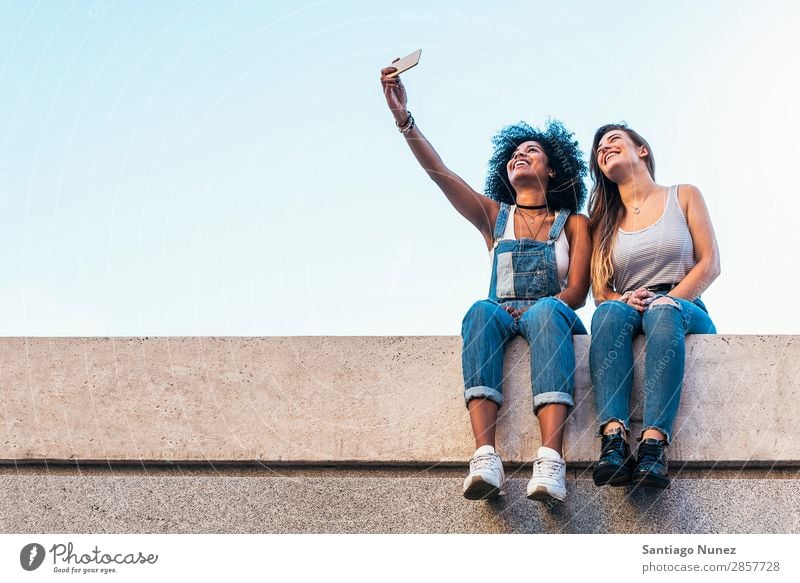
664 326
548 326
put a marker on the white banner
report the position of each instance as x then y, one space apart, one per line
418 558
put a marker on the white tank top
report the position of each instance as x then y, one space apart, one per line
561 248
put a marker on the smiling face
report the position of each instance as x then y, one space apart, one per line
618 155
528 163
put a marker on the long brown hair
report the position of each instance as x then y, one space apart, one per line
605 207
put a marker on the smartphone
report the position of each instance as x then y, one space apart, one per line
405 63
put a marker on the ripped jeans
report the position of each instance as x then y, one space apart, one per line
664 326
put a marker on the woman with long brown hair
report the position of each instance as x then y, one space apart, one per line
654 253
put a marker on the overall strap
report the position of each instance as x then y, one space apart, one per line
558 224
500 223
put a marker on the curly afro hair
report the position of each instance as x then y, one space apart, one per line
566 189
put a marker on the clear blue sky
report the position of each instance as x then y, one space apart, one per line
220 168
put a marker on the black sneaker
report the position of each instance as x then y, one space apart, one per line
616 463
651 464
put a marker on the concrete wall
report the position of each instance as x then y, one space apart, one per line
391 501
388 400
364 435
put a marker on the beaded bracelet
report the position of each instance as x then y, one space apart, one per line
408 125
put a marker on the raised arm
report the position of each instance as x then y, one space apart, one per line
479 210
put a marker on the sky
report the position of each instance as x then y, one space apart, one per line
210 168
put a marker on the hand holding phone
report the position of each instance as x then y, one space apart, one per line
405 63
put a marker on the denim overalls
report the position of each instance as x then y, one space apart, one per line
524 274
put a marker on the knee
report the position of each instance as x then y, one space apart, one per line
663 313
479 314
613 316
541 314
664 301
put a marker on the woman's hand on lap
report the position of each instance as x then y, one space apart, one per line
515 313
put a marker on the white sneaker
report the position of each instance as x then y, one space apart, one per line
549 473
486 476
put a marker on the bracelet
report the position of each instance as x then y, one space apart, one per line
408 125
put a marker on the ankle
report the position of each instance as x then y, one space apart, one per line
617 431
653 434
550 452
484 449
614 427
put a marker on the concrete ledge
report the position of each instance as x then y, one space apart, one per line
401 504
354 399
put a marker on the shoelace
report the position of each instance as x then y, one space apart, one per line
548 467
485 461
612 443
649 453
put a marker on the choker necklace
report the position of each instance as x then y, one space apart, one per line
532 208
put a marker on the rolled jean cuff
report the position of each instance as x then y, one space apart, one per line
609 420
667 436
542 399
483 393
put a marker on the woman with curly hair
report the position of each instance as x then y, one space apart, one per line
654 253
540 252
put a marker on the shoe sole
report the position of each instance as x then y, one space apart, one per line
651 481
611 476
481 490
541 494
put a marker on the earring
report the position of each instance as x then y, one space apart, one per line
552 174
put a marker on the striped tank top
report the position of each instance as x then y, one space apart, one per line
660 254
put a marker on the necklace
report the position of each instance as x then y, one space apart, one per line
530 220
637 209
533 208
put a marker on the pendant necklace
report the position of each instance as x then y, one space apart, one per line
636 209
529 220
